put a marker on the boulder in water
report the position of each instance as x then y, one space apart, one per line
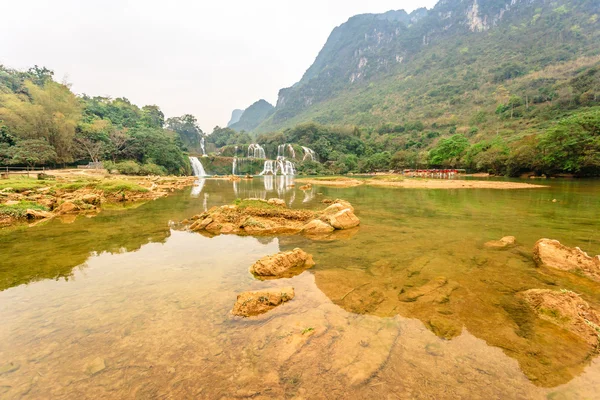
344 219
282 263
249 304
551 253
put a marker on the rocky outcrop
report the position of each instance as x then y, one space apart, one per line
249 304
272 217
551 253
282 264
506 241
565 309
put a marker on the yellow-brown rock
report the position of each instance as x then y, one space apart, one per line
259 302
551 253
344 219
281 263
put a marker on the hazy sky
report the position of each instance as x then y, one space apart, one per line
187 56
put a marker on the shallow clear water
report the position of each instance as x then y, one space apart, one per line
128 304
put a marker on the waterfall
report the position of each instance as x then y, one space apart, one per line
256 151
268 169
309 154
202 146
197 167
289 168
234 166
291 151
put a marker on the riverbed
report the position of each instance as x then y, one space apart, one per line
130 304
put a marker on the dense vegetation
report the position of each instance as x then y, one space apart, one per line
503 90
43 123
571 145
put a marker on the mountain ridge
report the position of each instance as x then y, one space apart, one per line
378 49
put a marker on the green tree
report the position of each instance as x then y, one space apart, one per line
448 151
33 152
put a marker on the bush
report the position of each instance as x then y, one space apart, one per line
152 169
131 167
128 167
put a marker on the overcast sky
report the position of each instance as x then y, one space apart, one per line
186 56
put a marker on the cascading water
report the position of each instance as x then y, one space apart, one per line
280 165
309 154
268 168
291 151
234 165
256 151
197 167
202 146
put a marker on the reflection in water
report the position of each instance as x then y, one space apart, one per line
145 316
197 188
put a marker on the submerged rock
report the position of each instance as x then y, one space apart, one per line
551 253
566 309
249 304
95 366
281 263
505 242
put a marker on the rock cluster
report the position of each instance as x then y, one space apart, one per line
269 217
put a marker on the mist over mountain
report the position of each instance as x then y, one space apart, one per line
253 116
235 116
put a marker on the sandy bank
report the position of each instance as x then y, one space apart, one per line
411 183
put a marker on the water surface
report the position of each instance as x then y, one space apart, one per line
128 304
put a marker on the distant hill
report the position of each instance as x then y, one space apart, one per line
235 117
452 66
253 116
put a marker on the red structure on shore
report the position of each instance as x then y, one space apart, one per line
433 173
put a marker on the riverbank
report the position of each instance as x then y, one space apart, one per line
418 183
71 192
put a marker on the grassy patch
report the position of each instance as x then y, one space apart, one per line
119 186
19 210
388 178
22 184
243 204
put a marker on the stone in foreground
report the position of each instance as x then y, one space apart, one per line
503 243
551 253
250 304
281 263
